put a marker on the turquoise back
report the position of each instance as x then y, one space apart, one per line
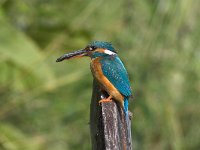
116 73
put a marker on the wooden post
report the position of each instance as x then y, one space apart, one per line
108 126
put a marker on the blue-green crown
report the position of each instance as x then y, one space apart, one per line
105 45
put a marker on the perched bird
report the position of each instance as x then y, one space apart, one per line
107 69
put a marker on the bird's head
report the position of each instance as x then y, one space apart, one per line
93 50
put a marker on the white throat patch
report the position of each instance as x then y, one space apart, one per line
109 52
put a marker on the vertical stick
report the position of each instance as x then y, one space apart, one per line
108 126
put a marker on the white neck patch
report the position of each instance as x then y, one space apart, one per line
109 52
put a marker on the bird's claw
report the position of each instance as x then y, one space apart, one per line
105 100
109 99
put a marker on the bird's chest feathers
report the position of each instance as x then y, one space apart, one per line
96 68
104 82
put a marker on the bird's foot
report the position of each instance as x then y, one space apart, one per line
109 99
105 100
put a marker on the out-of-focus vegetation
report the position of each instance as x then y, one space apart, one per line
45 105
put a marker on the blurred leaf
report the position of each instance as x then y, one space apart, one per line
20 50
13 139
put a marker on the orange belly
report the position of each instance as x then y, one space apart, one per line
104 82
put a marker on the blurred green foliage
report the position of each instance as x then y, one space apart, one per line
158 41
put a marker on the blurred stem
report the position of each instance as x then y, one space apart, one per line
173 124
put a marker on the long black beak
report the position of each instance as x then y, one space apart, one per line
75 54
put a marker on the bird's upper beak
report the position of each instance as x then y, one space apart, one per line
75 54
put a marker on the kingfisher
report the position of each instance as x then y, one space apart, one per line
107 69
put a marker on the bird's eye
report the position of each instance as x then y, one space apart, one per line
91 48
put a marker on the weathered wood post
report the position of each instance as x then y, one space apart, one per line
109 130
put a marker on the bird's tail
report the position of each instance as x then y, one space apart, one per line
126 106
128 121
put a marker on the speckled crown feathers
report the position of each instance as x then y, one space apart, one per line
105 45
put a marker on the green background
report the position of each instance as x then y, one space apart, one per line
44 105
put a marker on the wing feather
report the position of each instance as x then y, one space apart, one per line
116 73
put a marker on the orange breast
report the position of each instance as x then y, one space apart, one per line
104 82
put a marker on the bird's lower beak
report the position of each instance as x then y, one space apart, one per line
75 54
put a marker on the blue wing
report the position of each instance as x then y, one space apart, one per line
116 73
